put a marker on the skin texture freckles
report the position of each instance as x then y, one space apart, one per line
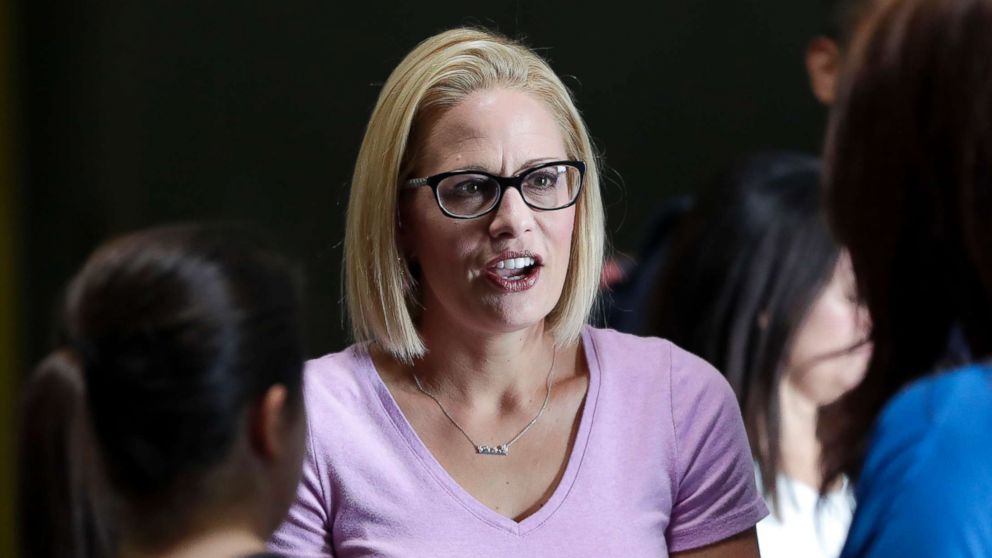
503 132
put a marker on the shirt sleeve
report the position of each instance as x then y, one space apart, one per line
715 497
305 533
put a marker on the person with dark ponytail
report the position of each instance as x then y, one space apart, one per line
909 188
170 420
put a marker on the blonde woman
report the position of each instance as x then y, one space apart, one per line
478 414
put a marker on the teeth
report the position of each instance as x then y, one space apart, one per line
515 263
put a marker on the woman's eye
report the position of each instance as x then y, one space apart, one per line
468 188
543 180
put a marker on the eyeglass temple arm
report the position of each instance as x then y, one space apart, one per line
415 183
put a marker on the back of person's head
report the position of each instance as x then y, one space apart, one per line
909 178
439 73
826 51
745 267
173 404
839 19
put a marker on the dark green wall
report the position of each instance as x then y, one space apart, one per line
138 113
9 301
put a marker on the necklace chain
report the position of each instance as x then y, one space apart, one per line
504 448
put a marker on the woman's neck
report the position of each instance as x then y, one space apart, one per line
495 371
799 448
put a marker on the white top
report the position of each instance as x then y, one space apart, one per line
804 525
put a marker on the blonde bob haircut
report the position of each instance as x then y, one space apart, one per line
381 294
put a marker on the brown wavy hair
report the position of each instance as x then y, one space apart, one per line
909 188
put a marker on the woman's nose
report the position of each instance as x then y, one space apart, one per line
513 216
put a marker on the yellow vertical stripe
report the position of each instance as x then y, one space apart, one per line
9 229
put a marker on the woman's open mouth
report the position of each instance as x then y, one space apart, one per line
514 272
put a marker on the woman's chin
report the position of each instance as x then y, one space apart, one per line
511 317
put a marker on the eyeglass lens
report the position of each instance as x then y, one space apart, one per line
469 194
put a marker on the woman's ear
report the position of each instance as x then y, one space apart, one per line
270 424
823 60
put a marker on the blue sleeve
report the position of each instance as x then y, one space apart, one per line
926 485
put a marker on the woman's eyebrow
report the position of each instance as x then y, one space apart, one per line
524 167
531 164
534 162
475 168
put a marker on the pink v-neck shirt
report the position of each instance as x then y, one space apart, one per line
660 464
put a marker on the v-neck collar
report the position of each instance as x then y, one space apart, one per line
455 490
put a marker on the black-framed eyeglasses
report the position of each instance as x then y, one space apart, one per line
470 194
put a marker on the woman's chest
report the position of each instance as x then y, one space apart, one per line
410 520
611 497
511 463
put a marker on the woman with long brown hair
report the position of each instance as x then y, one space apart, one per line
909 178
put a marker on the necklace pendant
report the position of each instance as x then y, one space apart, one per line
493 450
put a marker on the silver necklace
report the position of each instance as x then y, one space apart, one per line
504 448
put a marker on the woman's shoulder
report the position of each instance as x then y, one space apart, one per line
949 413
972 382
336 380
654 359
925 483
942 404
333 366
935 420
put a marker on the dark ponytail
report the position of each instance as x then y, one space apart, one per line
60 508
170 336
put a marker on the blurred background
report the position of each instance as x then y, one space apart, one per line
120 115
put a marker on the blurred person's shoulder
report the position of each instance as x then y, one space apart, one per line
950 403
925 484
934 420
940 417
